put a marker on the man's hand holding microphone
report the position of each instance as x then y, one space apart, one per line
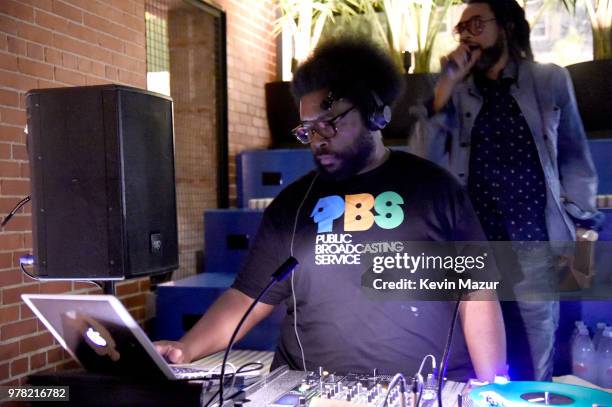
455 67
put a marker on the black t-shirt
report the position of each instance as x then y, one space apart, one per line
404 199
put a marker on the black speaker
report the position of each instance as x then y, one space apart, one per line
102 174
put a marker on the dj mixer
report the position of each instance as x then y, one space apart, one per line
284 387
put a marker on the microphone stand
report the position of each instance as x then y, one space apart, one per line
279 275
446 354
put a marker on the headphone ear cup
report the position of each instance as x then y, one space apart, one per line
380 118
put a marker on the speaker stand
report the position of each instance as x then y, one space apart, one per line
109 287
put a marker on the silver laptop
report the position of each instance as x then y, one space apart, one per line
102 336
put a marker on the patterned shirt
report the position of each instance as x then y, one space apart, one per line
506 182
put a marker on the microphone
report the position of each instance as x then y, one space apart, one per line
279 275
285 269
451 66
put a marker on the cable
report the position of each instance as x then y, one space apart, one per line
211 371
15 209
299 209
295 222
433 363
444 362
261 365
258 367
33 277
230 376
222 379
398 378
23 260
419 381
100 286
236 372
288 267
297 335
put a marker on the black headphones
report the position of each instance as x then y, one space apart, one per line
380 116
377 120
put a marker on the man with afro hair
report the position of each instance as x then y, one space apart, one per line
361 195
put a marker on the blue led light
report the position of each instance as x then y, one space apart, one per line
26 259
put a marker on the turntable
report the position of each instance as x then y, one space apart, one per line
532 394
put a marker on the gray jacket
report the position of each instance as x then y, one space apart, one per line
545 95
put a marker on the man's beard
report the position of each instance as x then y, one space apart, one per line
352 160
490 56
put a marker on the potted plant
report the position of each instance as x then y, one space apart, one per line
301 24
600 15
411 25
396 24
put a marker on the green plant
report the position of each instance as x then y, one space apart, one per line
424 20
304 20
408 24
397 24
600 14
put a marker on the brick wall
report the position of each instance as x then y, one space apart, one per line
251 62
50 43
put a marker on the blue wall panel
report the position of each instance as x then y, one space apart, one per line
601 150
190 297
228 234
264 173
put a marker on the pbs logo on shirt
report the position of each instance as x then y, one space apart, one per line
360 211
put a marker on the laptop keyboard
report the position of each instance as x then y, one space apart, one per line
198 369
189 373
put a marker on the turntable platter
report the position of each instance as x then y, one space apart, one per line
523 394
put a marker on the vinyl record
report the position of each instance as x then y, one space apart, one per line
523 394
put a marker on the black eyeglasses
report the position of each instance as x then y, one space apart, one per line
474 26
324 128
